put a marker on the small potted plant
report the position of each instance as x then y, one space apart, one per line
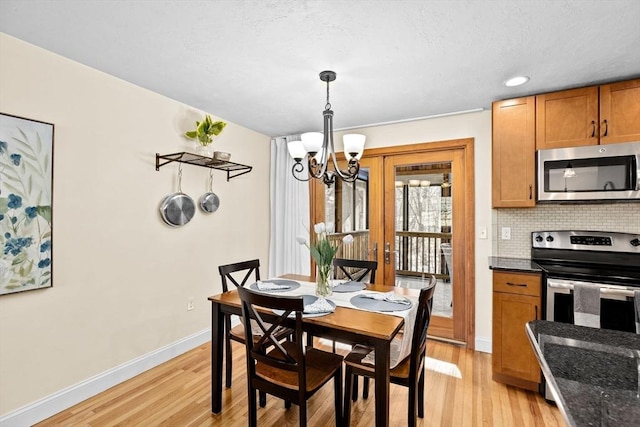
204 132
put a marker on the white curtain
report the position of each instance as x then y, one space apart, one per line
289 213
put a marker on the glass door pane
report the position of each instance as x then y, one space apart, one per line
347 212
423 229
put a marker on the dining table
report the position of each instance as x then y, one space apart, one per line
345 324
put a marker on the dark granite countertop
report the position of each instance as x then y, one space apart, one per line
592 373
513 264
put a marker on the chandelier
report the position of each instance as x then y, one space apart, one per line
318 147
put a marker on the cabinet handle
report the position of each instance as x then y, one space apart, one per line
606 127
523 285
593 132
530 191
536 312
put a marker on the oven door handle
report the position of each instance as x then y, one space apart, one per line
607 290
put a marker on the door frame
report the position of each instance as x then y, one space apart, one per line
463 258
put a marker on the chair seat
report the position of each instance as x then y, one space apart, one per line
237 333
359 352
320 365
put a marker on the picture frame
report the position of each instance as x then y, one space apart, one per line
26 204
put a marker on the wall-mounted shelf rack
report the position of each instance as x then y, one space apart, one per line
233 169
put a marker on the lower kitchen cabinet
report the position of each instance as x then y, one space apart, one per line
516 300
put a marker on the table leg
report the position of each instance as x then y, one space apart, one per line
382 381
217 343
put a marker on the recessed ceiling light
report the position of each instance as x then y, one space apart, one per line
516 81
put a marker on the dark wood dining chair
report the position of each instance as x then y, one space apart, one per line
409 372
355 269
285 369
358 271
239 274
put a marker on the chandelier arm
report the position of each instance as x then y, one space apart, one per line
351 173
296 169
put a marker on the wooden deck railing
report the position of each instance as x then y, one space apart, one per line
359 249
417 253
420 253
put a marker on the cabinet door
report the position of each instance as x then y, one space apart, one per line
567 119
512 353
620 112
513 153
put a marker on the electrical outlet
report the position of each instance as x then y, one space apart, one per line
506 233
190 304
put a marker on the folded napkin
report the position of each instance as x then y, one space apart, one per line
388 296
320 305
266 286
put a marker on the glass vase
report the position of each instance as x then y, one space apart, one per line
324 287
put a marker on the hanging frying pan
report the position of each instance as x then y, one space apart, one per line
209 202
177 209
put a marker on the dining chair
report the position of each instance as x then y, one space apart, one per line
355 269
358 271
289 370
239 274
409 372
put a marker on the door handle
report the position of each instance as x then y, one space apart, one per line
387 253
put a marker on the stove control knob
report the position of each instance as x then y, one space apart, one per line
539 238
635 242
549 239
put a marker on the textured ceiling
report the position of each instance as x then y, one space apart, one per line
256 63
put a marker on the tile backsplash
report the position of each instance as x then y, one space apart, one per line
622 217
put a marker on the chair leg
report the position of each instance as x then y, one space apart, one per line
303 413
229 362
263 399
337 390
421 394
253 409
346 409
309 340
354 392
365 387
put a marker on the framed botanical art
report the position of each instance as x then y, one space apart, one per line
26 185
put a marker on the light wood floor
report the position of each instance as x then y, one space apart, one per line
459 392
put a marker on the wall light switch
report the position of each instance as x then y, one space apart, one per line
483 232
190 304
506 233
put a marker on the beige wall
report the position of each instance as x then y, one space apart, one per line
475 125
121 276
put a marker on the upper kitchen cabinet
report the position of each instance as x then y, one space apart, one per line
513 153
567 119
606 114
620 112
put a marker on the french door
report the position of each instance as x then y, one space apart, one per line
411 209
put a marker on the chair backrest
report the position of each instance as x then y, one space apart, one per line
289 356
355 269
227 273
423 317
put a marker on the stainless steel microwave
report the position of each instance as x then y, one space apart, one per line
595 173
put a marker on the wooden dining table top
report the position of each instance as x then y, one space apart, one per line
367 323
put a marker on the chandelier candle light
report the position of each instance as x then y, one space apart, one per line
317 147
323 252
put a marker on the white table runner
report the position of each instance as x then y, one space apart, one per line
401 343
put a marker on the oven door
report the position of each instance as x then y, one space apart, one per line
617 310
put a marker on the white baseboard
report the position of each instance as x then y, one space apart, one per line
63 399
483 344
